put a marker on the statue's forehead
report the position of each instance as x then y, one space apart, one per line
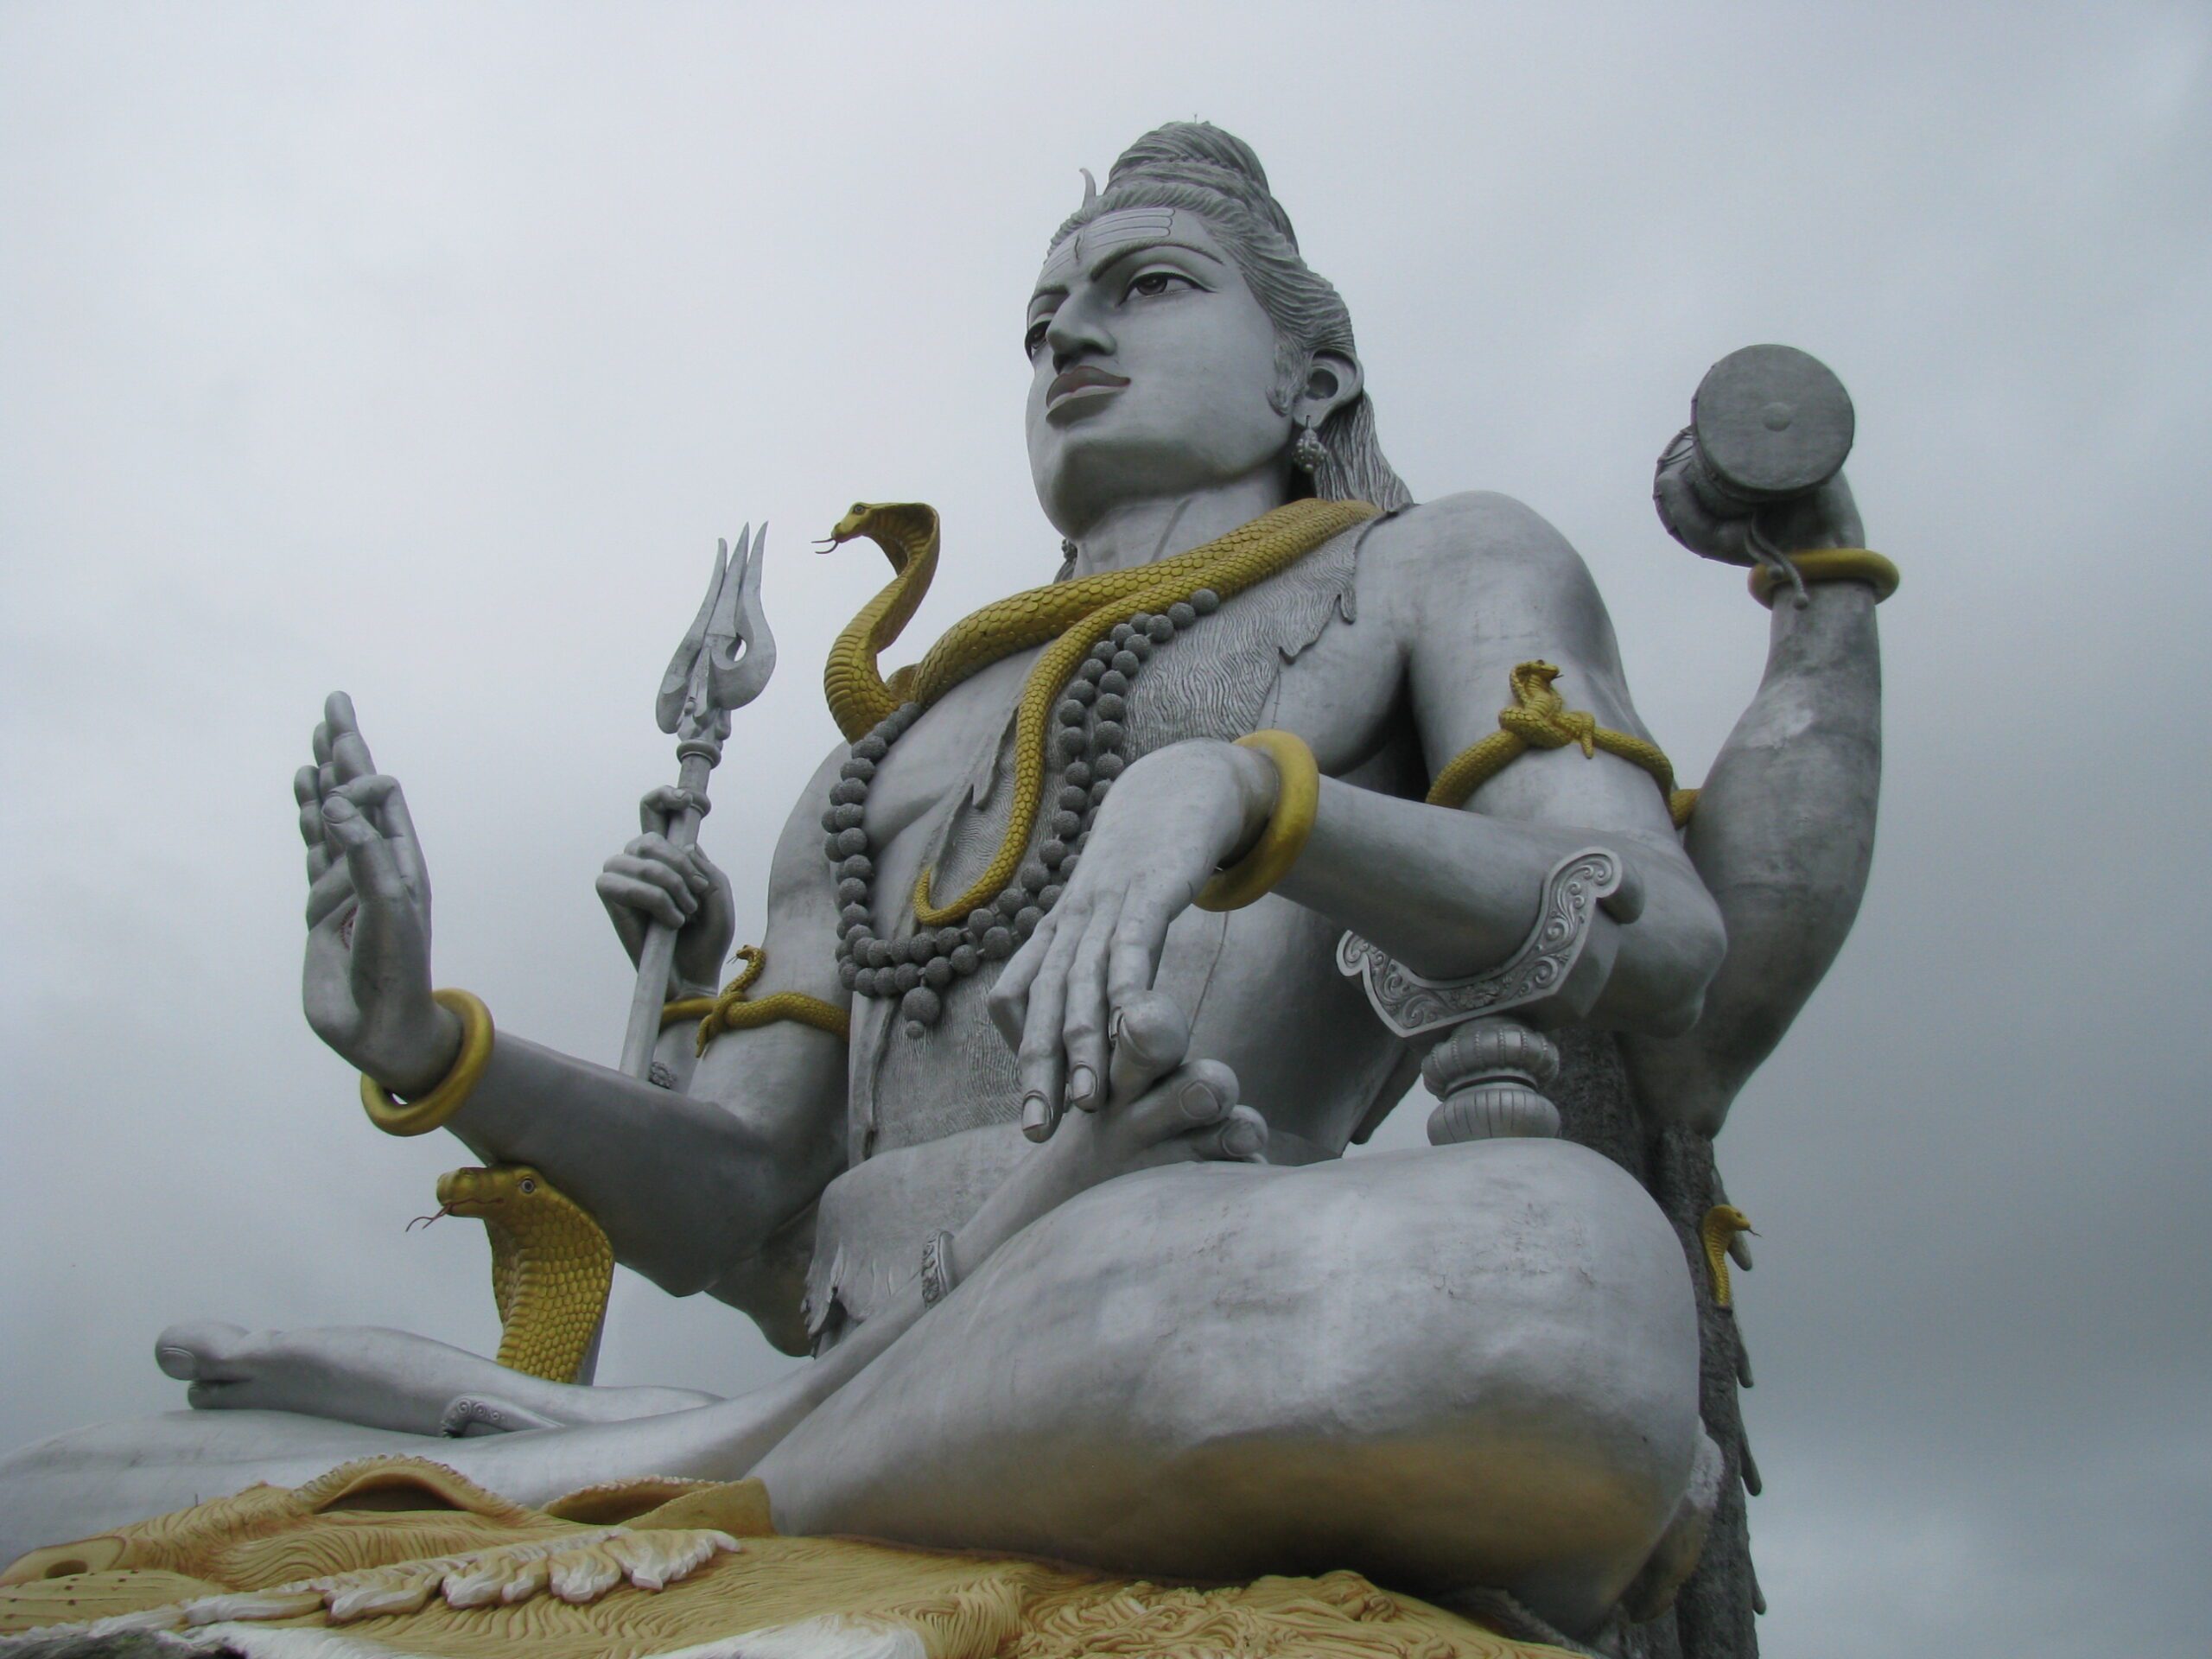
1102 239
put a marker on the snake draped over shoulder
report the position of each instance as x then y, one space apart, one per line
1068 617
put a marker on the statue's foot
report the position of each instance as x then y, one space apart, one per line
213 1358
385 1379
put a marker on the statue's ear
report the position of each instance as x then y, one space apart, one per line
1332 380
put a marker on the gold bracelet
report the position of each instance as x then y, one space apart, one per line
1829 564
1298 796
421 1116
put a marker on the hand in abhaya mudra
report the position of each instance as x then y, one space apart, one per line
365 984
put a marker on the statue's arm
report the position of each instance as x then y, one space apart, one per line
683 1184
1457 593
1784 834
686 1184
1473 585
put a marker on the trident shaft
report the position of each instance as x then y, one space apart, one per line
726 657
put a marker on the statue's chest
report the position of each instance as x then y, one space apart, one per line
943 801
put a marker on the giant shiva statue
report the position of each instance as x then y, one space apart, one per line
1112 923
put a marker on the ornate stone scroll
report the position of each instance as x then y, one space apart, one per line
1412 1005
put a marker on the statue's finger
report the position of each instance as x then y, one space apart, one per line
350 756
679 860
1149 1036
338 714
676 902
1242 1138
642 897
1189 1097
614 893
321 743
1041 1062
1008 1002
330 889
375 871
1139 934
1083 1031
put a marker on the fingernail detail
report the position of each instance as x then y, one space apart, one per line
1036 1115
1242 1140
1083 1084
1199 1103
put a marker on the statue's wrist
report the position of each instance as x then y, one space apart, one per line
447 1092
412 1075
1257 787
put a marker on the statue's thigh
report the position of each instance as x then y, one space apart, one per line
1473 1365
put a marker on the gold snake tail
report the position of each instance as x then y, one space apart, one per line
907 531
551 1266
1230 564
1540 719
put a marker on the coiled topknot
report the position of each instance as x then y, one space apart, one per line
1199 153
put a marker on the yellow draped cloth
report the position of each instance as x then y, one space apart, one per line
396 1556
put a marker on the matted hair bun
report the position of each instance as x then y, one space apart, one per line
1200 154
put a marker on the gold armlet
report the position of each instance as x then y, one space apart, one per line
1298 796
1830 564
421 1116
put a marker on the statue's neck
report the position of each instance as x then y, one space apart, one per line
1143 532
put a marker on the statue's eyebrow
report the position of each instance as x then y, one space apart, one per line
1115 256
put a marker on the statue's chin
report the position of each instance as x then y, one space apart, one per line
1082 477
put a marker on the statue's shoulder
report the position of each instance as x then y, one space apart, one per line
1476 545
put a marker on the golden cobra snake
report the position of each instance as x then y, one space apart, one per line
1716 1233
551 1266
1066 618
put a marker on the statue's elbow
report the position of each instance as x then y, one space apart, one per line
1658 989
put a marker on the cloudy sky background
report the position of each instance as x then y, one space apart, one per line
424 352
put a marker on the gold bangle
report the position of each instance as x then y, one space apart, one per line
1829 564
421 1116
1298 796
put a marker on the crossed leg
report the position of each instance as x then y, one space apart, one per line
1471 1367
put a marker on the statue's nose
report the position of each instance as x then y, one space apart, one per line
1076 333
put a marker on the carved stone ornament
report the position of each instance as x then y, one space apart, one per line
1410 1004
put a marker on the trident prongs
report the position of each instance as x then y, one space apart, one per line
727 653
726 657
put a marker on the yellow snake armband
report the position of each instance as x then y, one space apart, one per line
1298 797
737 1010
421 1116
1829 564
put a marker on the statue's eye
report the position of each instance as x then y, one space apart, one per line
1033 341
1150 283
859 507
529 1185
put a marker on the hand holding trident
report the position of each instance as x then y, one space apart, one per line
725 660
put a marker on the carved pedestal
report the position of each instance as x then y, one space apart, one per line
1488 1077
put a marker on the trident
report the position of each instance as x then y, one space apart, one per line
726 657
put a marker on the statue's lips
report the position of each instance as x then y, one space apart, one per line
1084 377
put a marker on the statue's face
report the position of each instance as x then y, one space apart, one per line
1153 364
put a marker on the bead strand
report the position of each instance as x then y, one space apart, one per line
1090 739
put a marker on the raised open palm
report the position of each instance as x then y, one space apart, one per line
366 982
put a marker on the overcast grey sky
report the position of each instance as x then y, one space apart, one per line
424 352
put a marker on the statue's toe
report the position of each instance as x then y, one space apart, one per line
199 1351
